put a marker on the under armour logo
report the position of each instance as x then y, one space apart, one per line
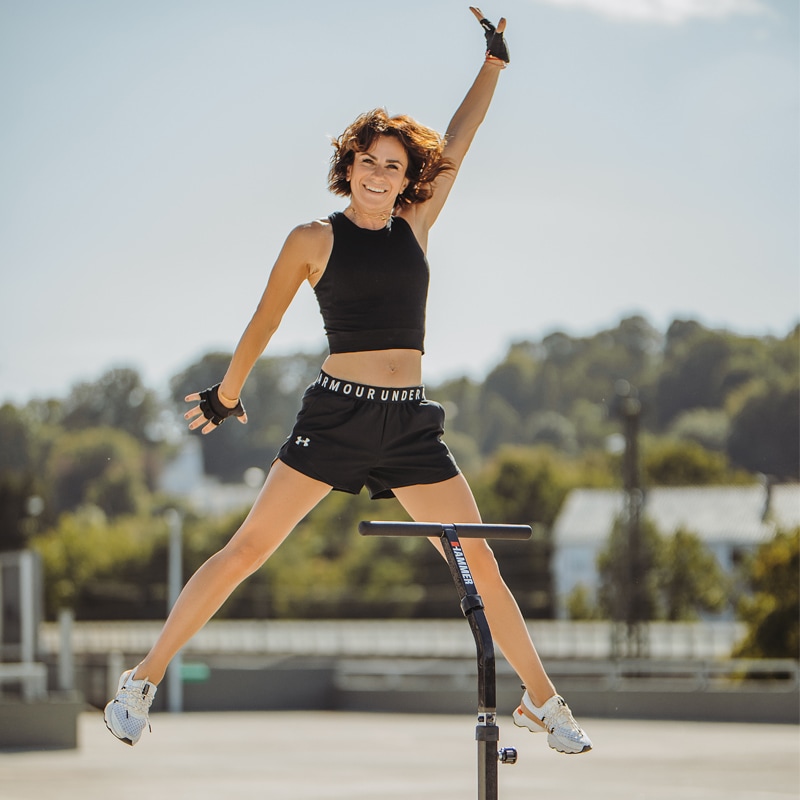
300 440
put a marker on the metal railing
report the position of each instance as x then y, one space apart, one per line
395 638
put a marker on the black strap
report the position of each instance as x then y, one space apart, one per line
214 410
495 43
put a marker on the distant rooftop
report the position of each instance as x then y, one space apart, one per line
734 514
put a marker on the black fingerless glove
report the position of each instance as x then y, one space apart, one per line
495 43
214 410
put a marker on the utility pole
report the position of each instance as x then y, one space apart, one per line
630 631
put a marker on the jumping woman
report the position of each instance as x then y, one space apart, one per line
365 421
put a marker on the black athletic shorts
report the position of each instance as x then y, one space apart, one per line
349 435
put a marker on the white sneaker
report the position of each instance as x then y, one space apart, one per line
126 715
563 733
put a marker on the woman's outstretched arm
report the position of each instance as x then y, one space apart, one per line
298 260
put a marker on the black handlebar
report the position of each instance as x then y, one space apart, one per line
465 530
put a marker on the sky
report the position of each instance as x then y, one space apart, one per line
639 157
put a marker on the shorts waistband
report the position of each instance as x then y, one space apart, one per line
376 394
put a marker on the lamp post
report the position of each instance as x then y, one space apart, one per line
174 585
631 606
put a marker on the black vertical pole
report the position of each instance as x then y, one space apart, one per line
632 611
487 733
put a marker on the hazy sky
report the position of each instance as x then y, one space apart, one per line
641 156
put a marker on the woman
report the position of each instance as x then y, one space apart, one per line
365 421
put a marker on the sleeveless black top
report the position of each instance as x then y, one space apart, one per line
373 292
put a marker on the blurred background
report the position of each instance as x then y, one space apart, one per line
613 330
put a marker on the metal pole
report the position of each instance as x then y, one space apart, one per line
633 611
174 585
28 627
487 733
66 657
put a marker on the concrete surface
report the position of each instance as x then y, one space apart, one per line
333 756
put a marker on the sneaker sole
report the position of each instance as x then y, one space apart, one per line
556 745
522 720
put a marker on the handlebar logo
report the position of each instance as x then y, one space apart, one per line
462 563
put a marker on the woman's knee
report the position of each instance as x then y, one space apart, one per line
245 552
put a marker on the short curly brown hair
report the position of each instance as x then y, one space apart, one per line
423 145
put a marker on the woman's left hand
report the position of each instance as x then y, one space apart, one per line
212 410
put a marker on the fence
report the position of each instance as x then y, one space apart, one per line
395 638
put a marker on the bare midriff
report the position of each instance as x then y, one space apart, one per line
390 368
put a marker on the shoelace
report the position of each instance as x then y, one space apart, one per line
134 699
562 718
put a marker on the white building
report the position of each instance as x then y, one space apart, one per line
730 520
184 477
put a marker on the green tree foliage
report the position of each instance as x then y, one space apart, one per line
703 368
103 568
118 399
772 613
553 392
22 444
98 466
18 443
580 604
523 485
680 579
667 462
707 427
692 582
765 432
16 490
617 584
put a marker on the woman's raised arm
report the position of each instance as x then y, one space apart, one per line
469 116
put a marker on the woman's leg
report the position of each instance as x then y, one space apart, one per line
451 501
287 496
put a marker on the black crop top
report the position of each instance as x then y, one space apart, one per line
373 292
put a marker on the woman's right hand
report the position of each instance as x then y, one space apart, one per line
496 48
212 410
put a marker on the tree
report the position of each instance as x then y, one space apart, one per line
693 374
118 399
103 569
703 368
708 427
765 433
18 444
616 582
100 466
16 491
772 614
691 578
580 605
668 462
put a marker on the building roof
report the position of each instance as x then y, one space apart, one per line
784 507
744 515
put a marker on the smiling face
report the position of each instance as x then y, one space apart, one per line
378 175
